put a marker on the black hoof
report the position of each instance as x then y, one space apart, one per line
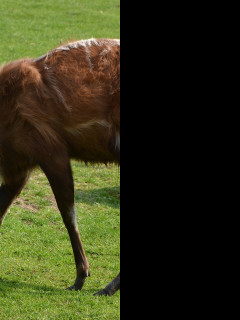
102 293
71 288
77 286
111 289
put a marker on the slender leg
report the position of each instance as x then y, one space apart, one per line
110 289
59 174
9 191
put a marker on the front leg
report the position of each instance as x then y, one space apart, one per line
59 174
9 190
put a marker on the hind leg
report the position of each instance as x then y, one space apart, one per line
9 190
111 289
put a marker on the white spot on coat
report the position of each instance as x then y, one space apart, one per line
78 129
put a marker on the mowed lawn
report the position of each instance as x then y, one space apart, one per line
36 260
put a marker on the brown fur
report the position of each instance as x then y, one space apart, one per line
64 105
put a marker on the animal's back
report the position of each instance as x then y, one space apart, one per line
87 75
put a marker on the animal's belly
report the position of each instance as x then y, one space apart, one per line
94 141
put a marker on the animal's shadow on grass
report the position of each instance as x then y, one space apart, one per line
10 285
34 289
104 196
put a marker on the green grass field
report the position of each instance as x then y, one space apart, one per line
36 260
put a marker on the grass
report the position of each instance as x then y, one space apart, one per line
36 260
30 28
36 256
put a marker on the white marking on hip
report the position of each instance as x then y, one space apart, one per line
89 43
85 44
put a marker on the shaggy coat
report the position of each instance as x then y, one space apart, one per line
64 105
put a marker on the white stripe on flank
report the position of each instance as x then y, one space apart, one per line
78 129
